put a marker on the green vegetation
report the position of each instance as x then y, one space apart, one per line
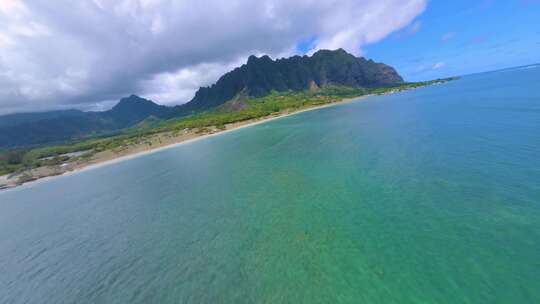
202 122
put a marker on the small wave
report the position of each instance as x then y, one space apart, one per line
529 67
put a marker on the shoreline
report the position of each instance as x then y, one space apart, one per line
233 127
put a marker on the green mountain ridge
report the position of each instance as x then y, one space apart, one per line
257 78
261 75
30 129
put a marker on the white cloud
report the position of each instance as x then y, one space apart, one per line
6 41
351 24
169 87
11 7
75 52
448 36
410 30
31 29
438 65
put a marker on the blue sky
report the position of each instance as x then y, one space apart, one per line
463 37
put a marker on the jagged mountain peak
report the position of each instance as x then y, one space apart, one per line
133 101
260 75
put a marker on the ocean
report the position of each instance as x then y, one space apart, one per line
426 196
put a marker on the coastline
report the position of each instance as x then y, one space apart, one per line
97 163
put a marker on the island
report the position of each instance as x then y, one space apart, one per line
39 145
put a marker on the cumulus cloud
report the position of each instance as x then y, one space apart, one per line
410 30
170 87
438 65
81 53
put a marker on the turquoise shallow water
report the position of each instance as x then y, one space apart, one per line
427 196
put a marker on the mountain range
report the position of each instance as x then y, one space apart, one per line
258 77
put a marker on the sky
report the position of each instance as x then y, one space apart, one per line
461 37
87 54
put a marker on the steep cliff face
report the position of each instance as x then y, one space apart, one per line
259 76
